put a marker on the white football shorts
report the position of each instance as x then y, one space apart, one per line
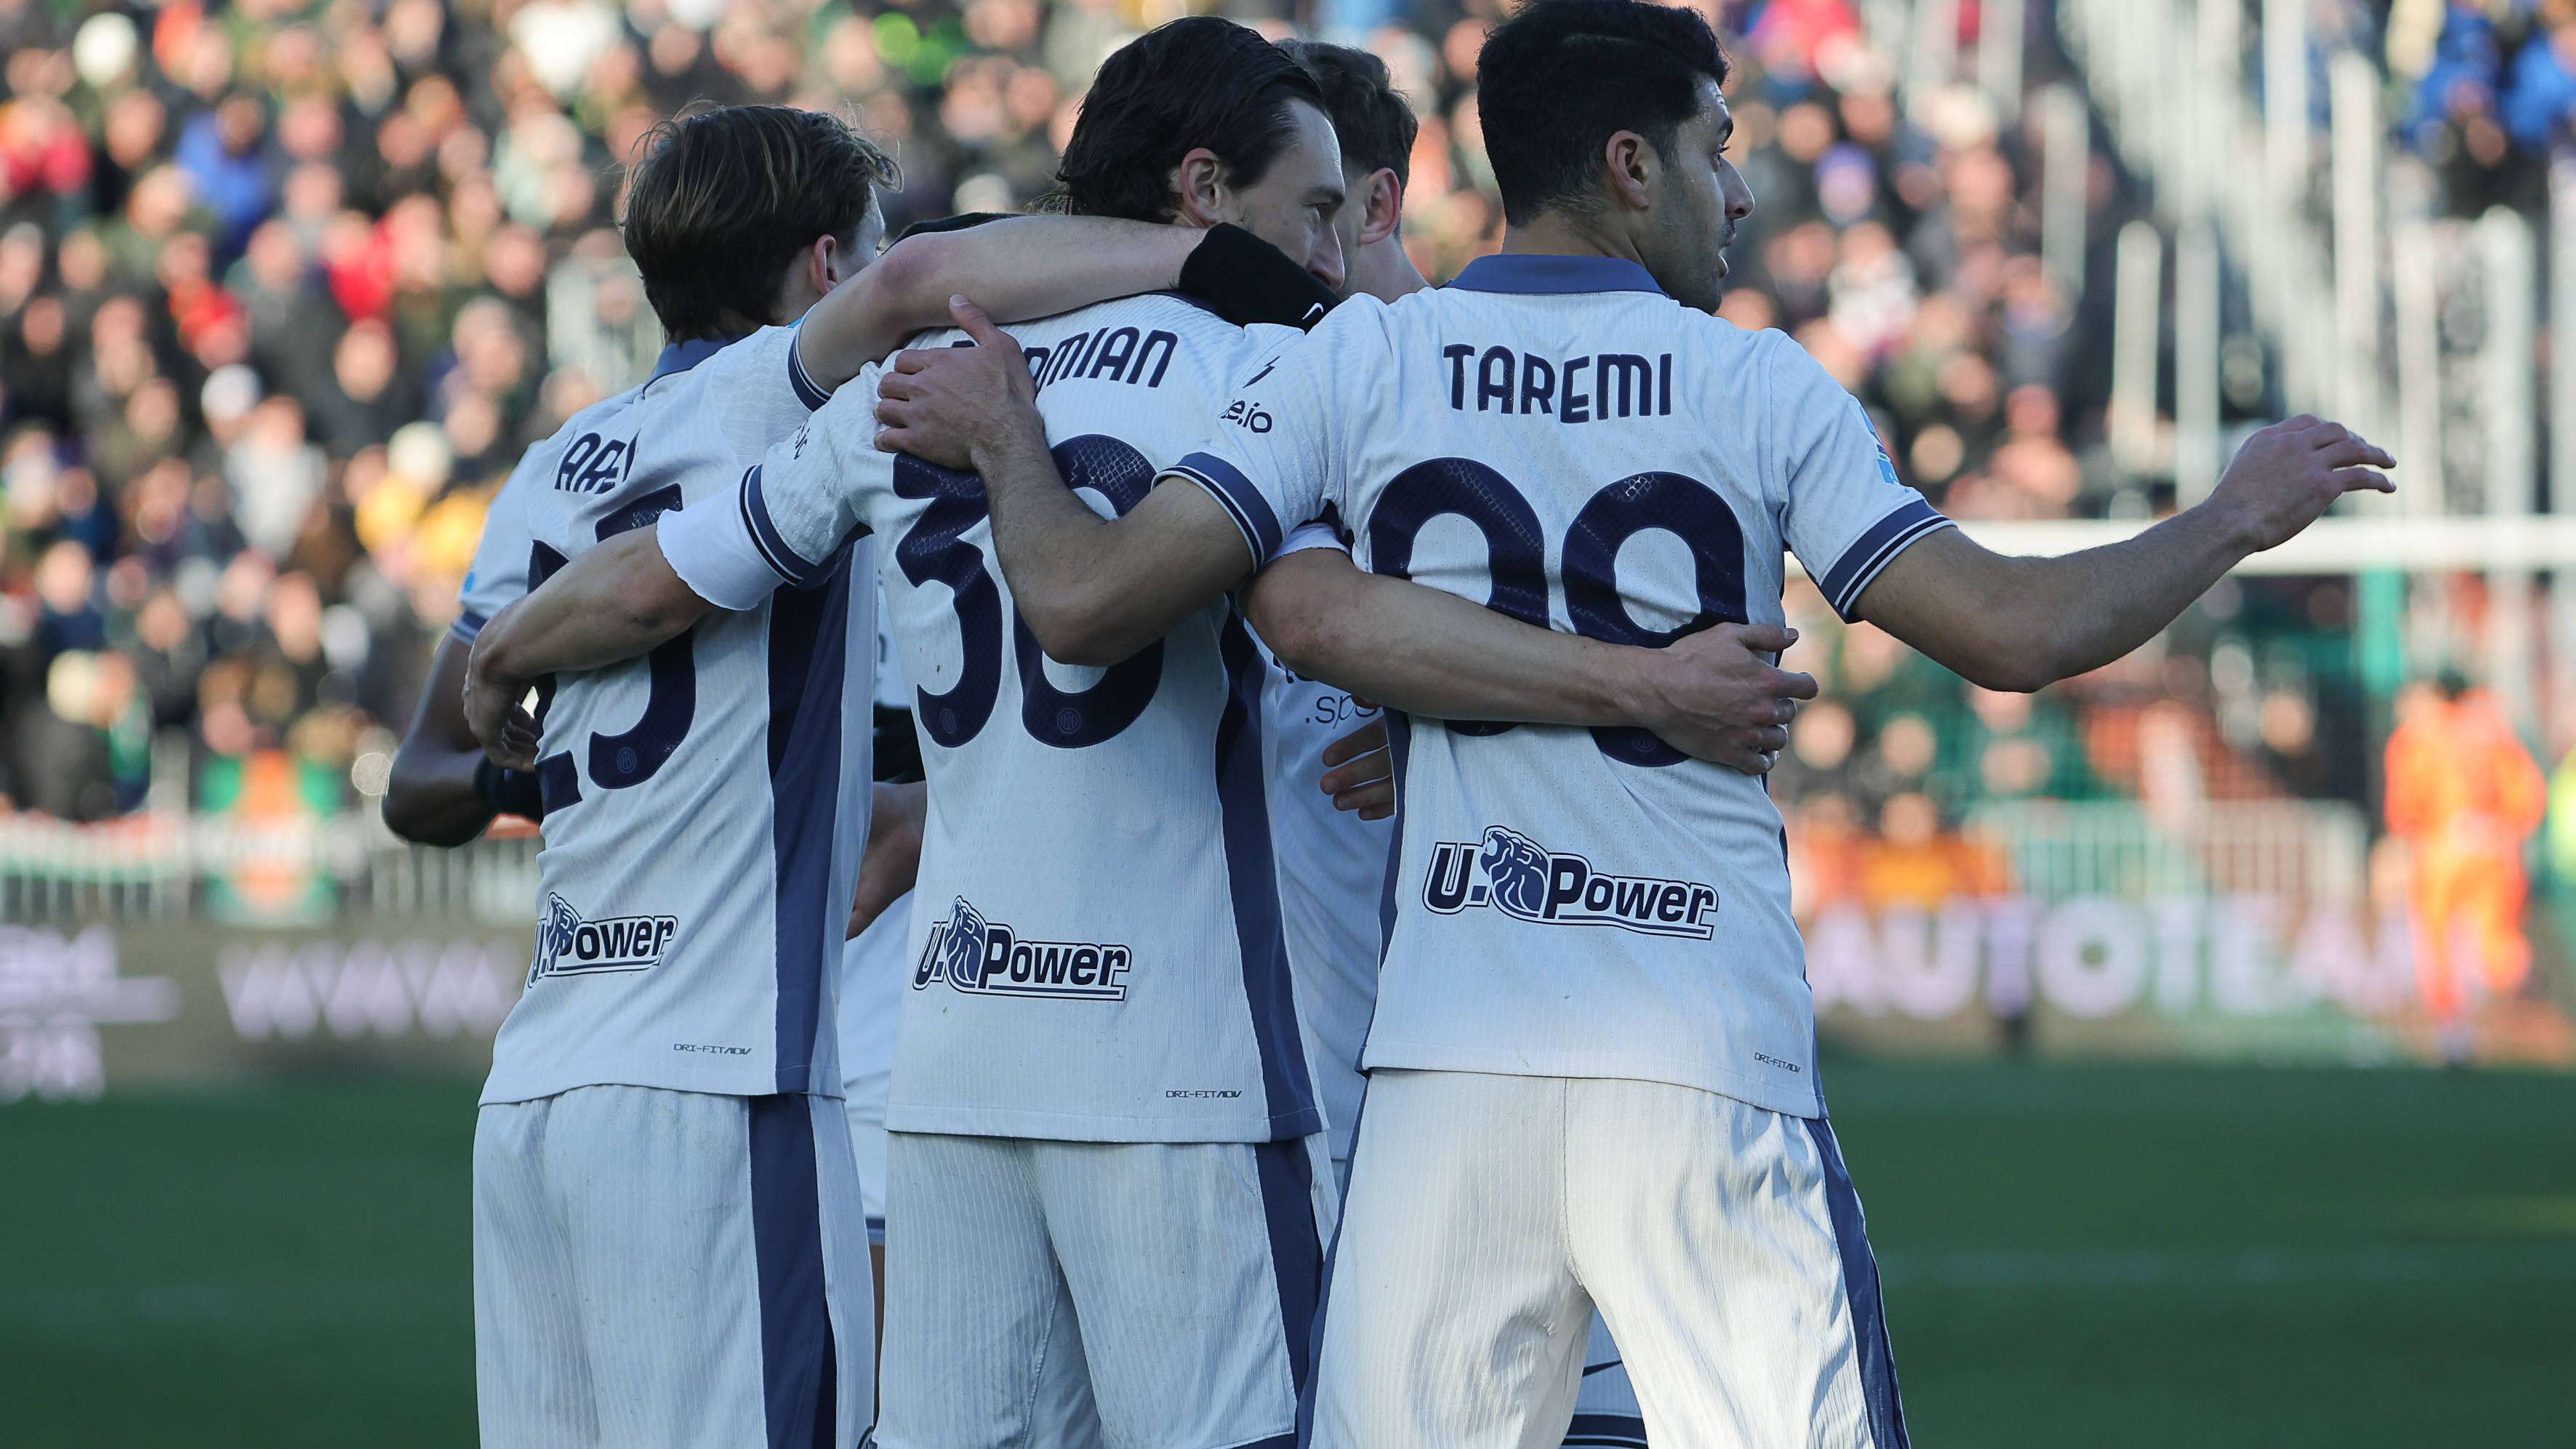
657 1269
1186 1276
1490 1216
1605 1403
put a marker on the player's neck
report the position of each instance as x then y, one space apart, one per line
1384 271
1555 234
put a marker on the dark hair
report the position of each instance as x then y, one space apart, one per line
1376 125
1199 81
1556 81
724 197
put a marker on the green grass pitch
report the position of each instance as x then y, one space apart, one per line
2090 1256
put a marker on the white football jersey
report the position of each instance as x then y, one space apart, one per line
1097 953
705 805
499 572
1332 876
1556 438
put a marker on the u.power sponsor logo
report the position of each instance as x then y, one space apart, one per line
567 945
987 958
1516 875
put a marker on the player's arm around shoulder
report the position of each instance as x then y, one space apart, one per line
1093 590
634 591
612 603
1718 694
1016 268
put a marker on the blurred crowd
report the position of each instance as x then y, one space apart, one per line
2491 88
286 286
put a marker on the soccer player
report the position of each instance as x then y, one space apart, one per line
1332 843
1101 1112
1593 1075
665 1226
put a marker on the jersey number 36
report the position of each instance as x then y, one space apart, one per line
936 551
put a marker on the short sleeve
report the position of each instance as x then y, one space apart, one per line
499 573
793 511
1278 450
1842 509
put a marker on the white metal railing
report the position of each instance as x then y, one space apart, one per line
2290 849
166 865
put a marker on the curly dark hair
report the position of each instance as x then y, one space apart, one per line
1199 81
1556 81
724 197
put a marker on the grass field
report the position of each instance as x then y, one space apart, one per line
2074 1257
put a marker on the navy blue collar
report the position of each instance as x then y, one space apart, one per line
681 356
1533 273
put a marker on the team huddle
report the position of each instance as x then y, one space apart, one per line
1167 1093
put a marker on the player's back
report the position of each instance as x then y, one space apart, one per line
704 804
1555 437
1097 950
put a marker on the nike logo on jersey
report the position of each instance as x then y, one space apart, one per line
987 958
1528 882
567 945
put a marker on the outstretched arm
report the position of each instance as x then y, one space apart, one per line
1031 266
2023 623
610 604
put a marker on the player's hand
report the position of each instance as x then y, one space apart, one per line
952 405
896 817
1718 696
1360 773
494 703
2288 474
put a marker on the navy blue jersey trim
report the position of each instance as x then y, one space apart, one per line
1872 551
467 625
798 1369
1860 1285
1287 1174
808 649
786 562
809 392
681 356
1399 753
1243 503
1620 1431
1533 275
1324 1299
1243 808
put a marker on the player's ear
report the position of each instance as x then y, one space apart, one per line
825 264
1628 168
1199 182
1383 197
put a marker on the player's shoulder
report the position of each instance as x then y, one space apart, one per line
599 417
765 358
1768 348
